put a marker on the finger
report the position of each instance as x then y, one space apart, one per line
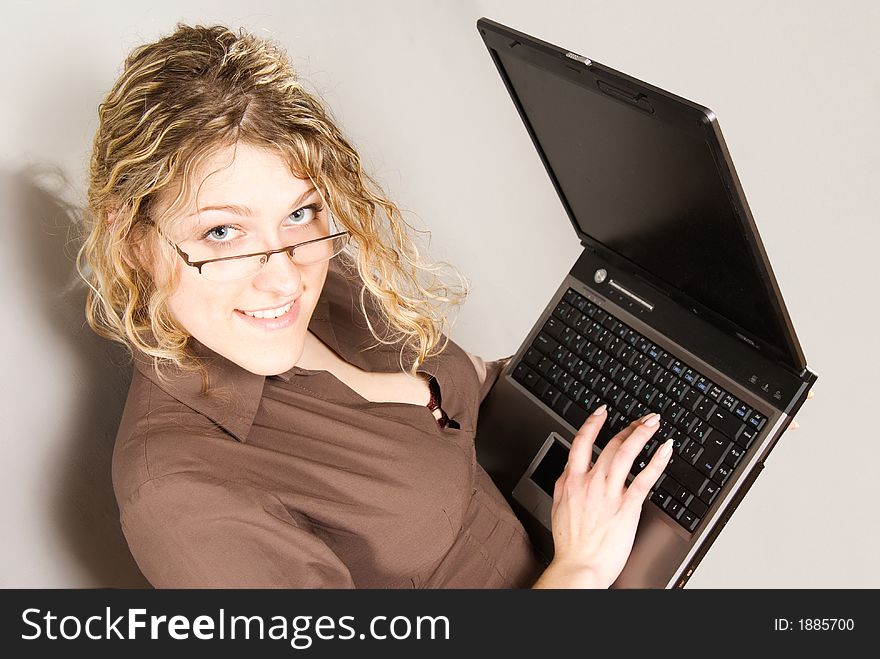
811 394
581 452
630 449
606 457
645 480
794 425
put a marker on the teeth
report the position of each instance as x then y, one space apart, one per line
269 313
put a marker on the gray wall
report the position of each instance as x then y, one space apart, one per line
795 84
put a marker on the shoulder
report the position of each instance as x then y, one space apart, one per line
158 435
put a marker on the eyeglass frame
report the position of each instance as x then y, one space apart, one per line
198 265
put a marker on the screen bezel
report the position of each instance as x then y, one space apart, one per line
685 115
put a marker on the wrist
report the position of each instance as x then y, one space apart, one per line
565 575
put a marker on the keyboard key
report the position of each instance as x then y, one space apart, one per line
698 507
564 382
725 422
691 452
714 451
674 509
679 441
700 431
530 380
575 390
691 399
686 421
716 393
665 359
702 384
685 474
665 381
541 386
661 402
545 344
609 323
688 520
561 404
562 310
638 465
544 366
683 496
705 408
742 411
570 296
677 367
622 376
532 357
654 352
722 473
661 498
746 437
690 376
575 415
646 394
734 455
757 421
728 402
678 390
553 327
519 373
708 493
550 395
640 363
674 412
627 403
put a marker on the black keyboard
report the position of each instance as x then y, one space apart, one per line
584 357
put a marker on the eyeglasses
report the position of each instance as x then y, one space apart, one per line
233 268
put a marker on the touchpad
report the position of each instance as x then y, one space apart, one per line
534 491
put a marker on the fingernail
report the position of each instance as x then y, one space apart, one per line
651 419
666 449
600 409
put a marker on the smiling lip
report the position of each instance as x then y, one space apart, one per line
272 324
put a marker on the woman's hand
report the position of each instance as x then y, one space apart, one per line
594 514
794 425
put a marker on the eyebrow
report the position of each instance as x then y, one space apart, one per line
244 210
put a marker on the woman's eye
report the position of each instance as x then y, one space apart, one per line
219 234
305 214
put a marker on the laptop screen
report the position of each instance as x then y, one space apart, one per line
649 191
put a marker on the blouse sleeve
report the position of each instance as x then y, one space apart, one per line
186 530
487 372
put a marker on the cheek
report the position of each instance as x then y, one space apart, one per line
197 304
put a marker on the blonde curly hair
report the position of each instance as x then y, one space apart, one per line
177 102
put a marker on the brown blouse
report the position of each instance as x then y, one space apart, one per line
297 481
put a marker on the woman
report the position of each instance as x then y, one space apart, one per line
297 417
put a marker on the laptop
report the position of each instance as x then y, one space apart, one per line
671 307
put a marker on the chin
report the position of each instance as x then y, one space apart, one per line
272 363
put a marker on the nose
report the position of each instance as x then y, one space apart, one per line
280 276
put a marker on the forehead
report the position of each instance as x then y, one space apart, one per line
240 174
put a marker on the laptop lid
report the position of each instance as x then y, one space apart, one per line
648 183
